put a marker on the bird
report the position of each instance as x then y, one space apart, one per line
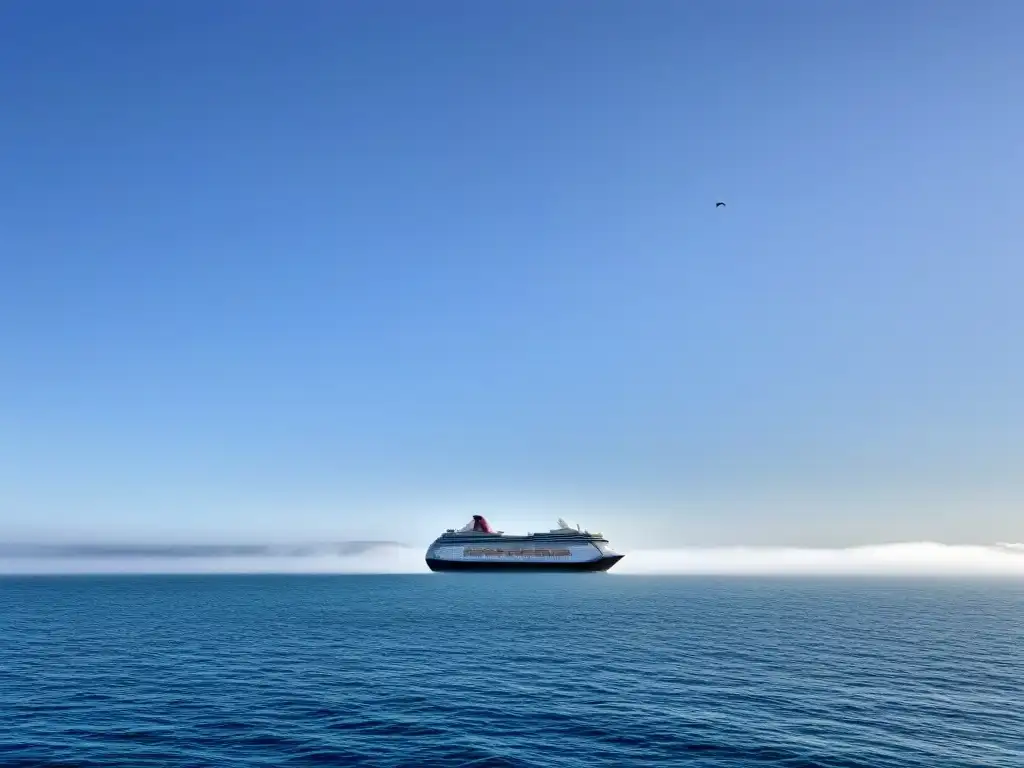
719 204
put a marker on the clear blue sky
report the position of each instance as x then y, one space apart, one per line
283 269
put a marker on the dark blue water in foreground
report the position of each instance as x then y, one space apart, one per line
488 670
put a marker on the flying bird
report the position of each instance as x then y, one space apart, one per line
719 204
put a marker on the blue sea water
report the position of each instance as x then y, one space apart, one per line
511 670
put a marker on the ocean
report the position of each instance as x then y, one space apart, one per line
560 670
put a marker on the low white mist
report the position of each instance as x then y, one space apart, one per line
906 559
382 559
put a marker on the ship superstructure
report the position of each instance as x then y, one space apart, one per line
478 547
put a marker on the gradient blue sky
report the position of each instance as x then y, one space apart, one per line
285 269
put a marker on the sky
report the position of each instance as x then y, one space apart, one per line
356 270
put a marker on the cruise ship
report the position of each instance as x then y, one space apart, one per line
477 547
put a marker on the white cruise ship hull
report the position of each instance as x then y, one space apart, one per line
481 549
598 564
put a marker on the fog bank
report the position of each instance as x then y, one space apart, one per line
908 559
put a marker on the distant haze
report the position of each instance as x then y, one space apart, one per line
920 559
341 557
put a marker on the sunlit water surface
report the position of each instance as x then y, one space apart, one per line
488 670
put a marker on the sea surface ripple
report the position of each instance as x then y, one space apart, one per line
488 670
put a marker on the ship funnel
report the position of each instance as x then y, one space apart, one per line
480 524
